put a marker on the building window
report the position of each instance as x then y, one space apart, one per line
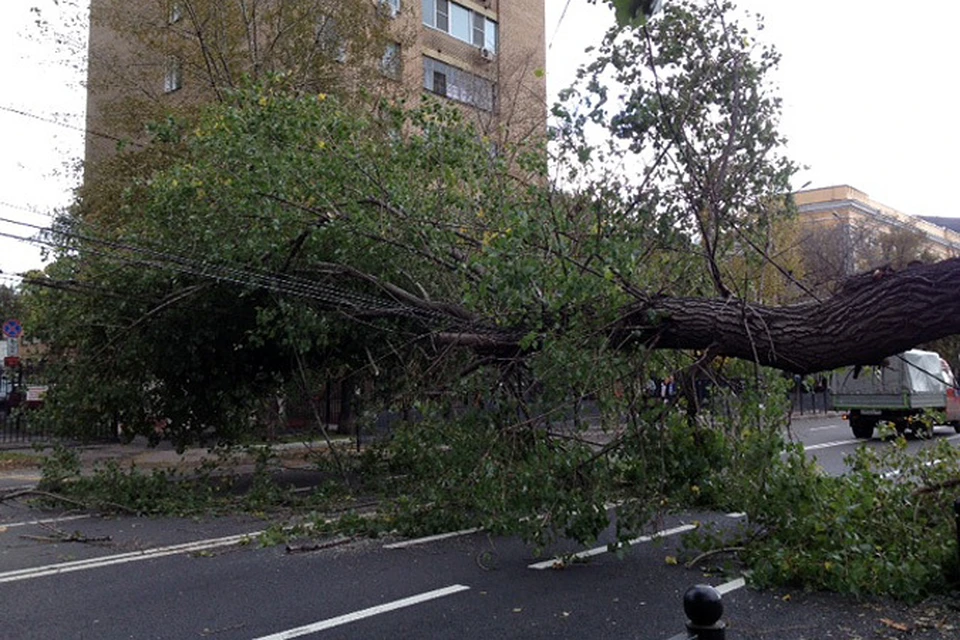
329 40
439 83
462 23
390 7
176 12
390 63
457 84
173 77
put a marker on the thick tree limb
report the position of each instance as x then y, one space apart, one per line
882 314
876 315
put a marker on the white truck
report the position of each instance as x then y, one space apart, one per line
898 391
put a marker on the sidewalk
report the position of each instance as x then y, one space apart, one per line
20 467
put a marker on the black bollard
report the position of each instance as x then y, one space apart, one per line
703 606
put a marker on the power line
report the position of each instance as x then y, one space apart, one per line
563 15
27 209
334 297
73 127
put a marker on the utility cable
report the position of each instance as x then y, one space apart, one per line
334 297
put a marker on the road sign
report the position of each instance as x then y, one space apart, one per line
12 328
13 347
11 362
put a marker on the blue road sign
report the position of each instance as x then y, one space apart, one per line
12 329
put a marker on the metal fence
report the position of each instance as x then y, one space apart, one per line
806 402
16 430
20 428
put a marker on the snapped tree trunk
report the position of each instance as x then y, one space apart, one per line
874 316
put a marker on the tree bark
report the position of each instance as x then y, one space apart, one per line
876 315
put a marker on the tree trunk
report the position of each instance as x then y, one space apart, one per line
875 315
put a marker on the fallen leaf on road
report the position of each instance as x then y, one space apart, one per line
671 560
899 626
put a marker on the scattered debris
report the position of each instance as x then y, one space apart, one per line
317 546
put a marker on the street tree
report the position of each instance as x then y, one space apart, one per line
10 306
832 251
288 231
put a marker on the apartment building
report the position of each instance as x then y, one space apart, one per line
148 57
842 231
845 208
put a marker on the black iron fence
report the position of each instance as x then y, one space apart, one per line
806 402
20 428
16 430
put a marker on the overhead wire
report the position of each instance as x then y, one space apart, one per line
334 297
84 130
281 283
563 15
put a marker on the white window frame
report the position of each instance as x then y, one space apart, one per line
329 40
173 75
390 7
391 64
481 31
176 12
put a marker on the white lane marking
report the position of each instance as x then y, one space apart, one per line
549 564
827 445
736 515
828 427
733 585
26 523
428 539
365 613
135 556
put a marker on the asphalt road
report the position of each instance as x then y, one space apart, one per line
72 575
176 579
829 441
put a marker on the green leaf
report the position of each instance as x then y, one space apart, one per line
634 13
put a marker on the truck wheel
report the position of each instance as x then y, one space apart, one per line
861 428
956 426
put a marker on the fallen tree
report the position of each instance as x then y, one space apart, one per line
277 232
877 315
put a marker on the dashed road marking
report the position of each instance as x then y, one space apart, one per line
428 539
548 564
828 445
733 585
365 613
123 558
27 523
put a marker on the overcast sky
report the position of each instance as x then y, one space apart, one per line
869 101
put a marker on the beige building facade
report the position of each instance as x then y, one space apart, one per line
843 231
846 205
148 57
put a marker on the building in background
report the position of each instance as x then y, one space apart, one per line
148 58
843 232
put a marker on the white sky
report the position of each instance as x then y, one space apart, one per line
869 101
